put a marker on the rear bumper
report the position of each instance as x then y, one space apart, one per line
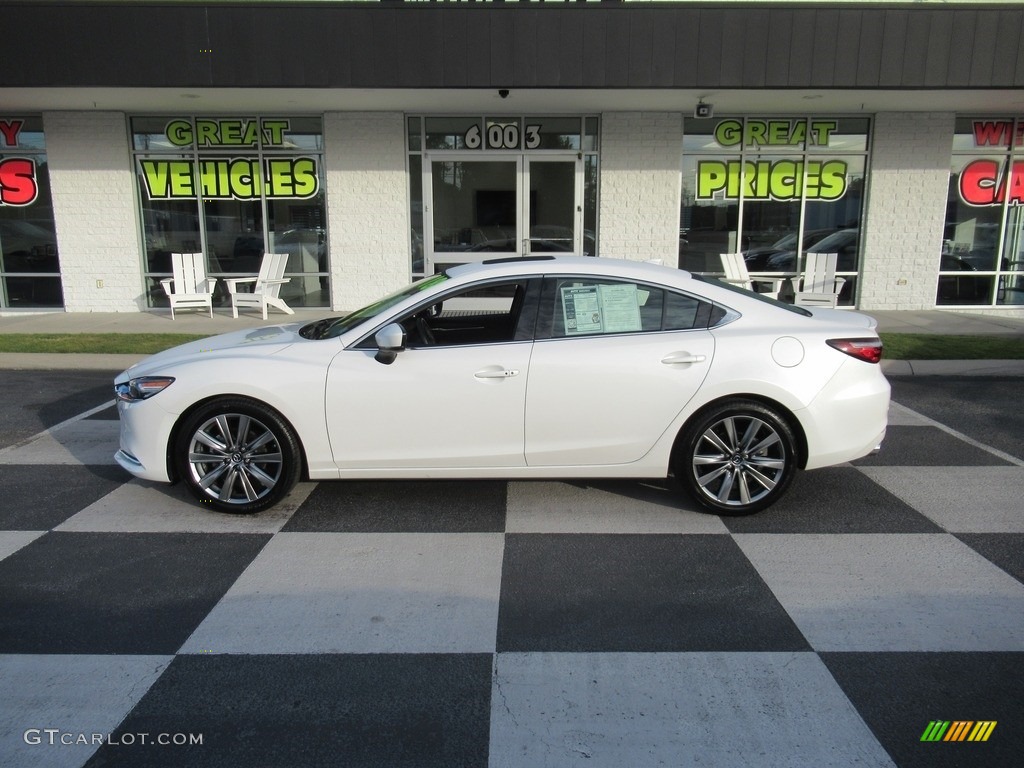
848 418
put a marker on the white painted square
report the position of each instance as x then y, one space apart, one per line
960 499
890 592
674 709
86 441
12 541
139 506
75 696
361 593
619 507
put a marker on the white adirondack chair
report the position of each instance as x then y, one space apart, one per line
190 288
819 286
736 273
266 287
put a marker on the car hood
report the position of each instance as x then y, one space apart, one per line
245 343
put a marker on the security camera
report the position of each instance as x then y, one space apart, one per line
503 92
703 110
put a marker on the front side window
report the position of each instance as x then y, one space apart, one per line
772 188
29 263
490 313
982 258
234 188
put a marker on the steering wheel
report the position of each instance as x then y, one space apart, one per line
423 329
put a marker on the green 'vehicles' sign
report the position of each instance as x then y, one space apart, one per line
229 178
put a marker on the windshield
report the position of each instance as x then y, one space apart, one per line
330 327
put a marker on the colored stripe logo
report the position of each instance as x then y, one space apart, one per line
958 730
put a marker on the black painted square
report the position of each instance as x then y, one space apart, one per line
899 694
116 593
404 506
906 446
641 593
1004 549
38 497
835 500
366 711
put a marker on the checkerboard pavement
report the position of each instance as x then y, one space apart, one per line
511 623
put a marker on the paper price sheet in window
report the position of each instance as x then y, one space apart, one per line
601 308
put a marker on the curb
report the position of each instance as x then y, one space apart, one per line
78 361
953 367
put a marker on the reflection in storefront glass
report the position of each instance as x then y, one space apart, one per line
773 188
228 187
450 132
475 207
707 227
982 256
29 261
416 214
1011 283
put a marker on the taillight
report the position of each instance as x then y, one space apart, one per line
868 350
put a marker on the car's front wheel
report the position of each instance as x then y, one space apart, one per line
736 458
237 455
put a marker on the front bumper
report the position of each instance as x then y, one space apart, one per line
145 432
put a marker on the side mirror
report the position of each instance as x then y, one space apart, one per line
390 341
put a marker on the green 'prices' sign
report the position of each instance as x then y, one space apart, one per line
771 179
784 179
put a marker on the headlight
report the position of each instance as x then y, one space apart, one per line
141 388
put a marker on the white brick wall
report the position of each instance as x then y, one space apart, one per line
906 210
641 157
368 206
94 209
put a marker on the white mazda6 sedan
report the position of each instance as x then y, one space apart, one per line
536 367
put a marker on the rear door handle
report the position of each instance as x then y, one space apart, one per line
681 358
502 373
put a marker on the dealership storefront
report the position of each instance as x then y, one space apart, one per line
919 193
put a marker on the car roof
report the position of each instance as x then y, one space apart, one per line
542 265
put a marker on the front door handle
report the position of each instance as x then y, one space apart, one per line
499 373
680 358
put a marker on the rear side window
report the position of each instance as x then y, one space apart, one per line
573 307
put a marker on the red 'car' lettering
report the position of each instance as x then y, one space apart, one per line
985 182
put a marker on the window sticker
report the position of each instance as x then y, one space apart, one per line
600 309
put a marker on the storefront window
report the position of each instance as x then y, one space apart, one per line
29 263
234 188
773 189
982 259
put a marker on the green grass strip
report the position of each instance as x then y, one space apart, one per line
923 346
96 343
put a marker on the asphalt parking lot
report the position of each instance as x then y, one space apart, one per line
514 623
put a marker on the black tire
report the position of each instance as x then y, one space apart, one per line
237 455
736 458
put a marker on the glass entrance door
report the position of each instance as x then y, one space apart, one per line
552 207
484 208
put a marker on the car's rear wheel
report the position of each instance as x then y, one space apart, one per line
237 455
737 458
